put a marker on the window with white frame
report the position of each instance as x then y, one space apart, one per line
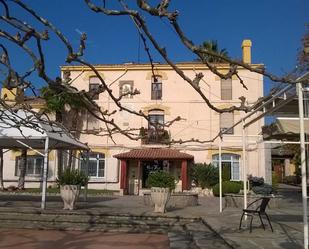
227 121
94 83
34 165
156 87
156 119
92 124
230 164
96 165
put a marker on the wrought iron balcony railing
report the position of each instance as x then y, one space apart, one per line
154 136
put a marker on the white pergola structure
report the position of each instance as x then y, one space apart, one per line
272 105
21 129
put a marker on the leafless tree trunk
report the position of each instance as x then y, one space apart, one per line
1 170
70 160
59 152
74 127
22 169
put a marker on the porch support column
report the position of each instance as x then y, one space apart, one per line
45 172
303 162
184 174
220 173
138 175
123 176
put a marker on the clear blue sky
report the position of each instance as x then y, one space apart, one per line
274 26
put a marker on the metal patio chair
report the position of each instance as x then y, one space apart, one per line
260 210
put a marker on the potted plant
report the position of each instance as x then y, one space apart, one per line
161 184
70 181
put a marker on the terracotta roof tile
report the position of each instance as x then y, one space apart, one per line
34 100
154 153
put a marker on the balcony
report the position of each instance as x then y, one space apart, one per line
152 136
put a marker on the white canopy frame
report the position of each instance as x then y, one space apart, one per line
16 133
269 107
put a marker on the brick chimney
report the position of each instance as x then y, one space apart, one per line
246 51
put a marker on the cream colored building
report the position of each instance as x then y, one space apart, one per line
164 100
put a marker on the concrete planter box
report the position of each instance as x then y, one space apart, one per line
176 200
237 201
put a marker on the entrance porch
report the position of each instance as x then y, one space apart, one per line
136 165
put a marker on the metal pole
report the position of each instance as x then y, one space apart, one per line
303 162
138 175
220 173
87 173
244 166
45 170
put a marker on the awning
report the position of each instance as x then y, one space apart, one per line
22 129
33 132
284 129
155 154
291 125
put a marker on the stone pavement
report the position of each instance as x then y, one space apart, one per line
212 230
286 221
53 239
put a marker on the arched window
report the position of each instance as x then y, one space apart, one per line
94 83
96 166
156 119
230 164
156 87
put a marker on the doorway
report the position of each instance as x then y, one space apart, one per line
148 167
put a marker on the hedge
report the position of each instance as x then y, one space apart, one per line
228 187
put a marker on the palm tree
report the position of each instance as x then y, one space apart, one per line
212 46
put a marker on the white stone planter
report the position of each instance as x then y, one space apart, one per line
159 197
69 195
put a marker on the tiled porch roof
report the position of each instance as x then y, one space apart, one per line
155 154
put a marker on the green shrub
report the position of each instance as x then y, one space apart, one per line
161 179
255 181
204 175
290 180
72 177
226 173
228 187
264 189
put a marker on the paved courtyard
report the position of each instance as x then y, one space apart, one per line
52 239
286 220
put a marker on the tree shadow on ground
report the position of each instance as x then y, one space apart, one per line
286 218
289 245
36 239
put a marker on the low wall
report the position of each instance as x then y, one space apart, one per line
177 200
237 201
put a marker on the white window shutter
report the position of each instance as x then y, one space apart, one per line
226 89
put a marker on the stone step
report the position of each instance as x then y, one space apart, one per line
184 233
125 228
180 239
205 238
88 221
93 218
